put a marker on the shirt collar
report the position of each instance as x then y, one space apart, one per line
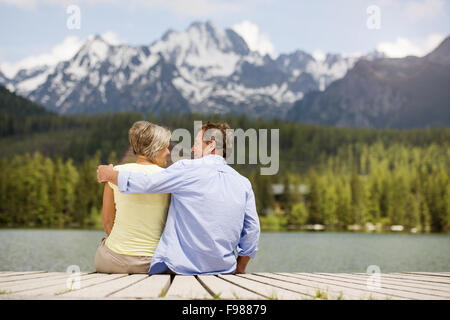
214 159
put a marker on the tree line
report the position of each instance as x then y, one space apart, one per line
363 184
393 185
81 136
353 176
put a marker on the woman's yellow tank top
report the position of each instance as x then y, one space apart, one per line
140 218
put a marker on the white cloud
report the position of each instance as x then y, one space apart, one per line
60 52
256 41
405 47
426 9
31 4
197 8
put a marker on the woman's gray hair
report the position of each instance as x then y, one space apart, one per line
148 139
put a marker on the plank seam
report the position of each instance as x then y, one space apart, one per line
345 286
205 286
426 274
396 276
236 284
43 286
389 287
94 284
133 283
398 282
20 273
305 285
273 285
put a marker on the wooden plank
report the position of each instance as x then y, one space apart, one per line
431 294
312 292
332 291
107 288
57 289
388 294
48 276
268 291
372 293
16 273
52 285
427 278
30 284
21 277
187 287
443 288
395 279
406 279
433 274
225 290
152 287
388 290
420 278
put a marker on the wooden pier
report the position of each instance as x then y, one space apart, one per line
261 285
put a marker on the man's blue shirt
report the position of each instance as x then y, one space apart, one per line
211 214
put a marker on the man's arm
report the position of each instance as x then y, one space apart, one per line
242 262
248 244
169 180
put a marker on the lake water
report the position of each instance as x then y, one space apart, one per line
55 250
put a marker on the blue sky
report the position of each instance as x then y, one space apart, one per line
35 30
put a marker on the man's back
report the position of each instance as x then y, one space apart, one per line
212 213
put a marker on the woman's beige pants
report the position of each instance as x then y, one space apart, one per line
108 261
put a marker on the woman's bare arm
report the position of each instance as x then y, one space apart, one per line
109 209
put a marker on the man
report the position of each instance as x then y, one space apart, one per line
212 211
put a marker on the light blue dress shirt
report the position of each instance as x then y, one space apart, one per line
212 213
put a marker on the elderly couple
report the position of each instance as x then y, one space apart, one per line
197 216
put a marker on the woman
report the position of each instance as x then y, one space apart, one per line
134 222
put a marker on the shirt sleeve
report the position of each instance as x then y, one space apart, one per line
248 244
169 180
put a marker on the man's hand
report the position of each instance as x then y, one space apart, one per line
241 264
239 270
107 174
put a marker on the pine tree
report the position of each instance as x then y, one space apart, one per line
358 216
344 203
412 211
330 200
314 199
298 216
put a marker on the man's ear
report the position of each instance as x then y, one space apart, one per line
210 147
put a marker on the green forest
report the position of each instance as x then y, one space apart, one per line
340 178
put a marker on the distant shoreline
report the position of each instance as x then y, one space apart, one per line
2 228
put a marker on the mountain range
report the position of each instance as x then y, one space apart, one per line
410 92
206 69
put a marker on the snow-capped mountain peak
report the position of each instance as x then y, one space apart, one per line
202 47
